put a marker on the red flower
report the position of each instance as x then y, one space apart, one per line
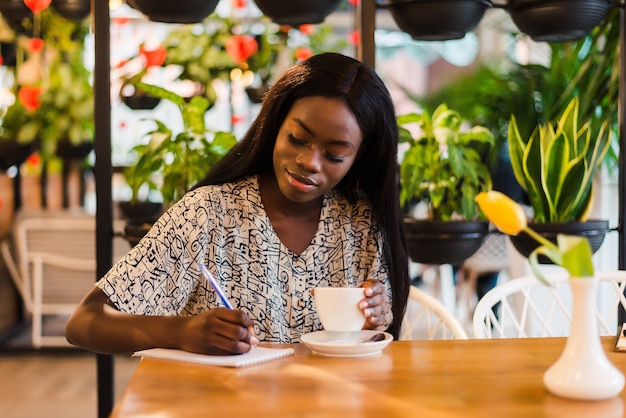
122 63
303 53
29 97
241 47
35 45
307 28
1 60
121 21
354 37
34 160
37 6
238 4
153 57
353 2
235 119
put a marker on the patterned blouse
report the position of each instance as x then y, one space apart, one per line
226 228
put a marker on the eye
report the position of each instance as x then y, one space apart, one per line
296 141
334 159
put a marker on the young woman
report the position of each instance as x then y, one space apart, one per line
307 198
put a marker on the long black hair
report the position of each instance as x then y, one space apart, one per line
375 172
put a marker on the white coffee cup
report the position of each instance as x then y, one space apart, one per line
338 308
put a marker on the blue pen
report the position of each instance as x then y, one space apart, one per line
216 286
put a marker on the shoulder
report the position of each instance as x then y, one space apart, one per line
220 192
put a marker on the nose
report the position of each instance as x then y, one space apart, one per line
310 160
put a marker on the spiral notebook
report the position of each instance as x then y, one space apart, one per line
254 356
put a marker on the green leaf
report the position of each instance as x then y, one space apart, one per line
161 93
552 253
554 171
576 255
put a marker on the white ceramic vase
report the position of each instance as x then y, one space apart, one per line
583 371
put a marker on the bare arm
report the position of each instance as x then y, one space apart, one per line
96 325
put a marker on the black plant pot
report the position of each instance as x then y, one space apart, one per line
593 230
433 242
178 11
12 153
8 51
14 12
139 219
255 94
141 212
557 20
140 101
134 231
72 9
296 13
67 150
437 20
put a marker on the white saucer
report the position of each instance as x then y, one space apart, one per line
345 344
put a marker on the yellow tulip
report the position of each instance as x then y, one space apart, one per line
502 211
571 253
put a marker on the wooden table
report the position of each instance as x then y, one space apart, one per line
458 378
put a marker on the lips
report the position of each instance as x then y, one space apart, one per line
301 182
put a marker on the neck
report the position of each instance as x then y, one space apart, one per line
275 202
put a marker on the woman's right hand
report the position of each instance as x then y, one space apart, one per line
219 331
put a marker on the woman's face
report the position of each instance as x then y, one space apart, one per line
317 144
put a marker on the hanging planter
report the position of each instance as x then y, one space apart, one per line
594 231
433 242
437 20
67 150
13 153
179 11
296 13
140 101
255 94
72 9
8 52
14 12
557 20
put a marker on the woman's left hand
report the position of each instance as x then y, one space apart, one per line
373 305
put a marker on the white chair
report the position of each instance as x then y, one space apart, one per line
491 257
53 266
525 307
427 318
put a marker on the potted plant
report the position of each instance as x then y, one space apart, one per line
148 60
556 165
443 169
223 45
56 105
172 163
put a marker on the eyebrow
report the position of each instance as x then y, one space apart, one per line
332 141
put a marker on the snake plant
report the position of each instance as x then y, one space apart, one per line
556 165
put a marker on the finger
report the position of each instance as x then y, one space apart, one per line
372 301
372 287
231 338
